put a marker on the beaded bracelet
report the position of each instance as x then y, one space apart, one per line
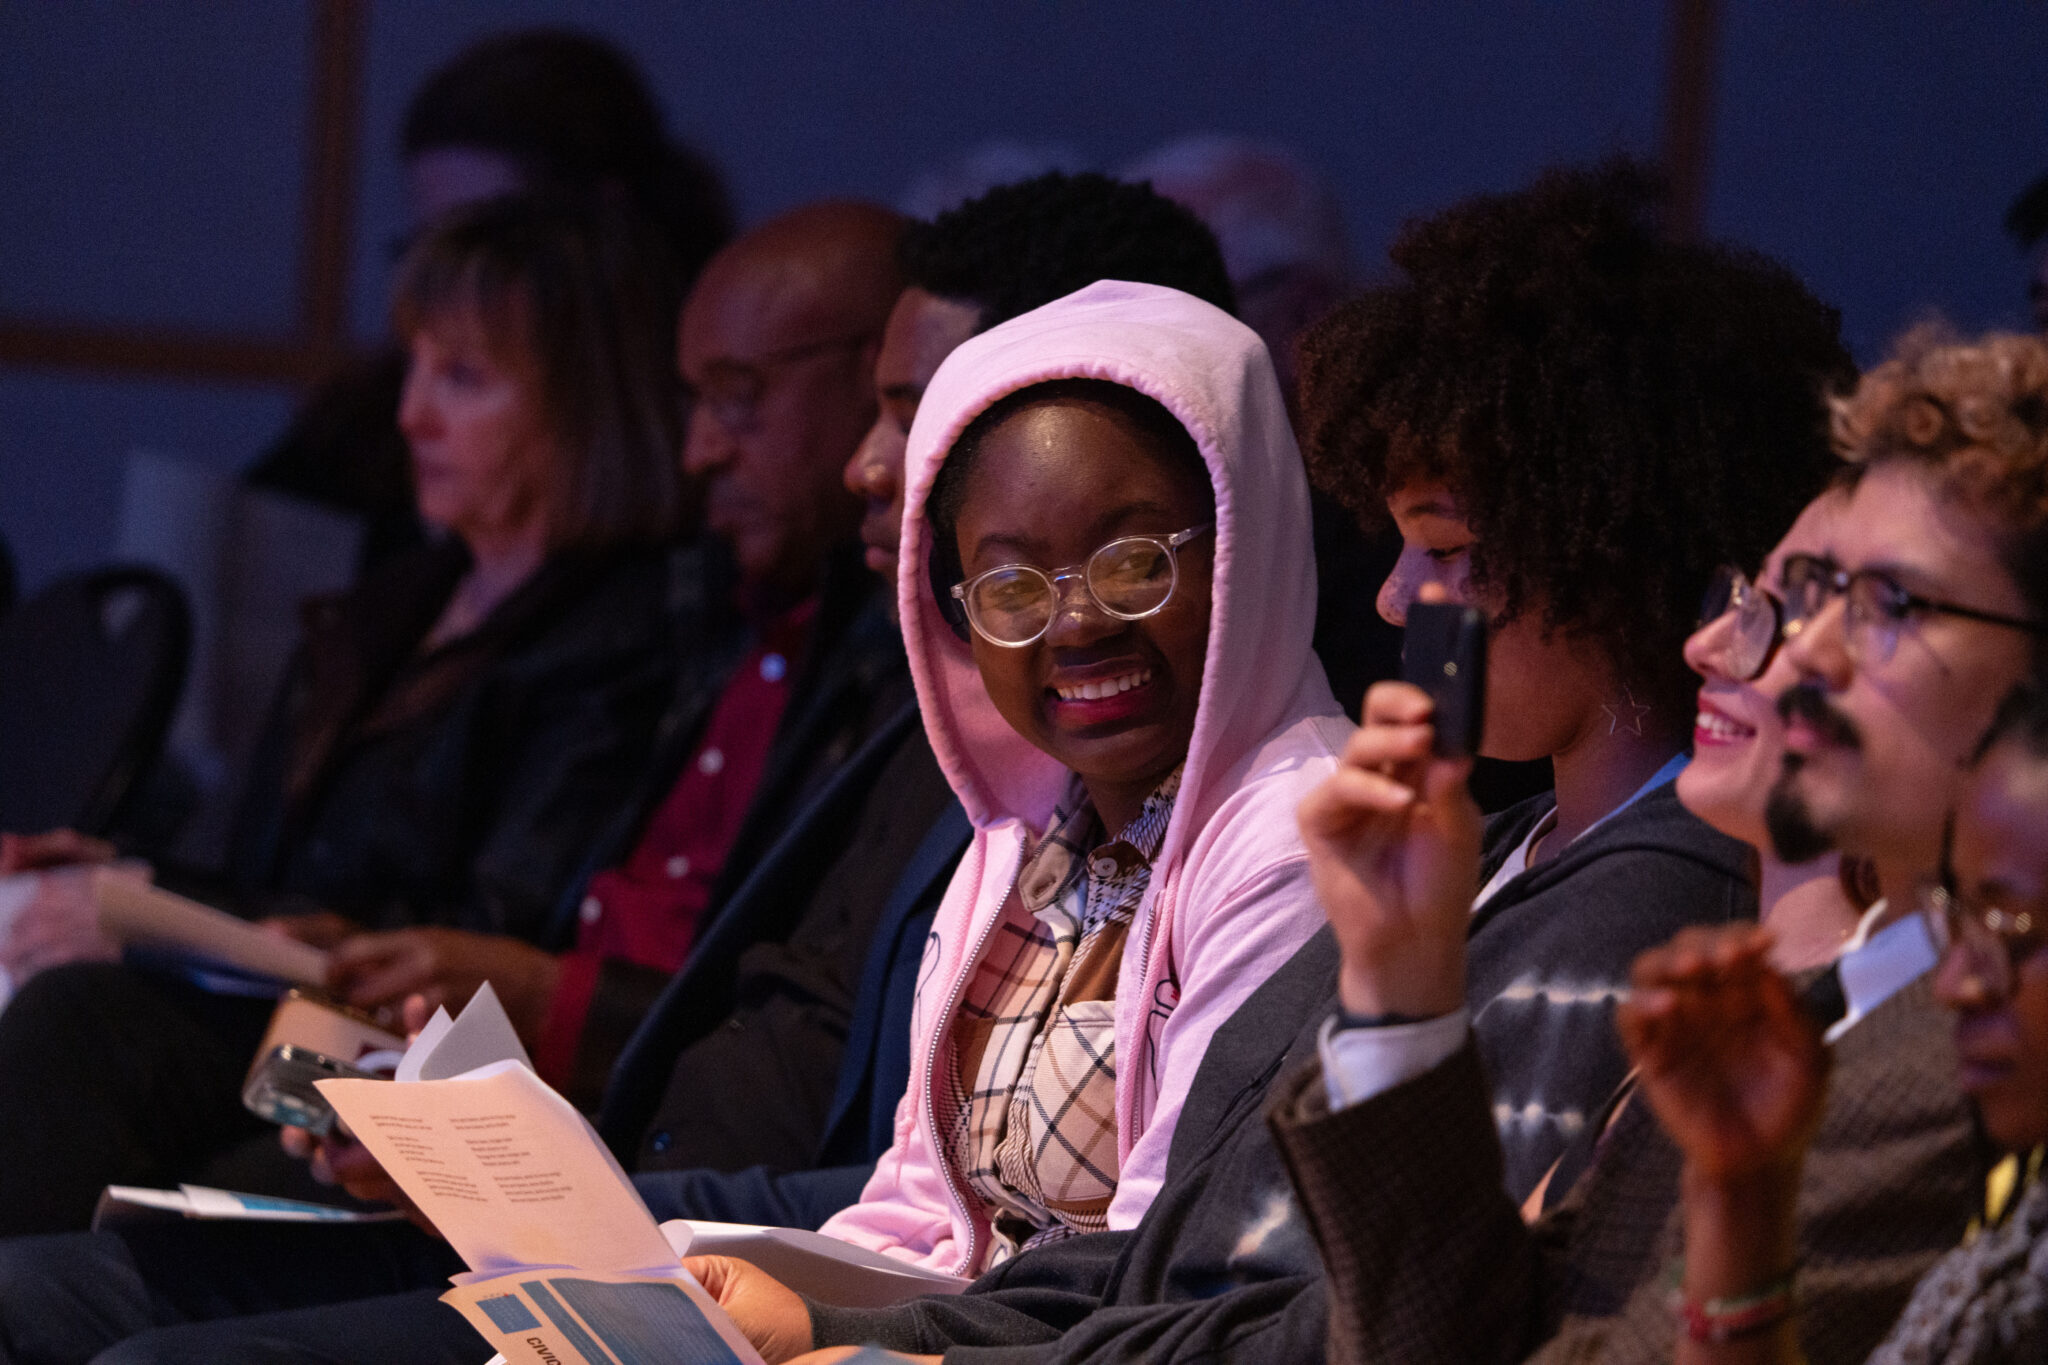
1731 1319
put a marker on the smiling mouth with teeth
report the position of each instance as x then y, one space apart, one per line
1720 727
1107 687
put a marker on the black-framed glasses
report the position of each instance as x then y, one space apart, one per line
1998 939
730 391
1756 622
1130 578
1875 606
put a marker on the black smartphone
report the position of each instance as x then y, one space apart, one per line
1443 652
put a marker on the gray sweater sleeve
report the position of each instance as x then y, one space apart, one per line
1031 1299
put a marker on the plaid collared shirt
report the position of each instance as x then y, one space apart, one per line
1033 1073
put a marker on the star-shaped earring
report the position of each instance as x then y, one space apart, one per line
1636 713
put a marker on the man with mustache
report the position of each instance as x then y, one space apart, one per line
1922 605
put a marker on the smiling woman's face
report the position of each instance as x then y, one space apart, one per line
1738 737
1050 485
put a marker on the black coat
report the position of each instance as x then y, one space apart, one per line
650 1099
849 682
463 786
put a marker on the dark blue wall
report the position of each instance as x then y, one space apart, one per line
150 155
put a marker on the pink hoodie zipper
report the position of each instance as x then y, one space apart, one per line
1161 906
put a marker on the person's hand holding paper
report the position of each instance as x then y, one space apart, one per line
773 1318
507 1169
322 929
562 1253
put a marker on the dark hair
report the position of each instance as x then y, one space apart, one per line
590 298
2021 718
1146 417
576 116
1614 412
1021 246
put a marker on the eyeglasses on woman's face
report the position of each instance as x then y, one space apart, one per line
1755 623
1998 939
1875 606
1130 578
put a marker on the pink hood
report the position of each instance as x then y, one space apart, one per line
1229 898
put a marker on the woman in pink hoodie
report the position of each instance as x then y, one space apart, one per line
1107 599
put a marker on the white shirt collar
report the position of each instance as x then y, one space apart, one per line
1876 963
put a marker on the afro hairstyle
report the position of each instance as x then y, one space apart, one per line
1614 412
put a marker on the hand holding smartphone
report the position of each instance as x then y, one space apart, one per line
312 1038
1443 652
281 1088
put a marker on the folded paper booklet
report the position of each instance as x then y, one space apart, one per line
124 1204
566 1263
132 912
580 1317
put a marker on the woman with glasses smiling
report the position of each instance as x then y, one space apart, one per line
1108 600
1738 746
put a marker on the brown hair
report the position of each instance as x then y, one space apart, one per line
1974 415
588 298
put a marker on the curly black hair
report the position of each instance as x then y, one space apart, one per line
1615 412
1019 247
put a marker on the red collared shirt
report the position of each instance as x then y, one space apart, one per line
645 910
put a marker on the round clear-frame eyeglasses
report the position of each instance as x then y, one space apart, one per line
1130 578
